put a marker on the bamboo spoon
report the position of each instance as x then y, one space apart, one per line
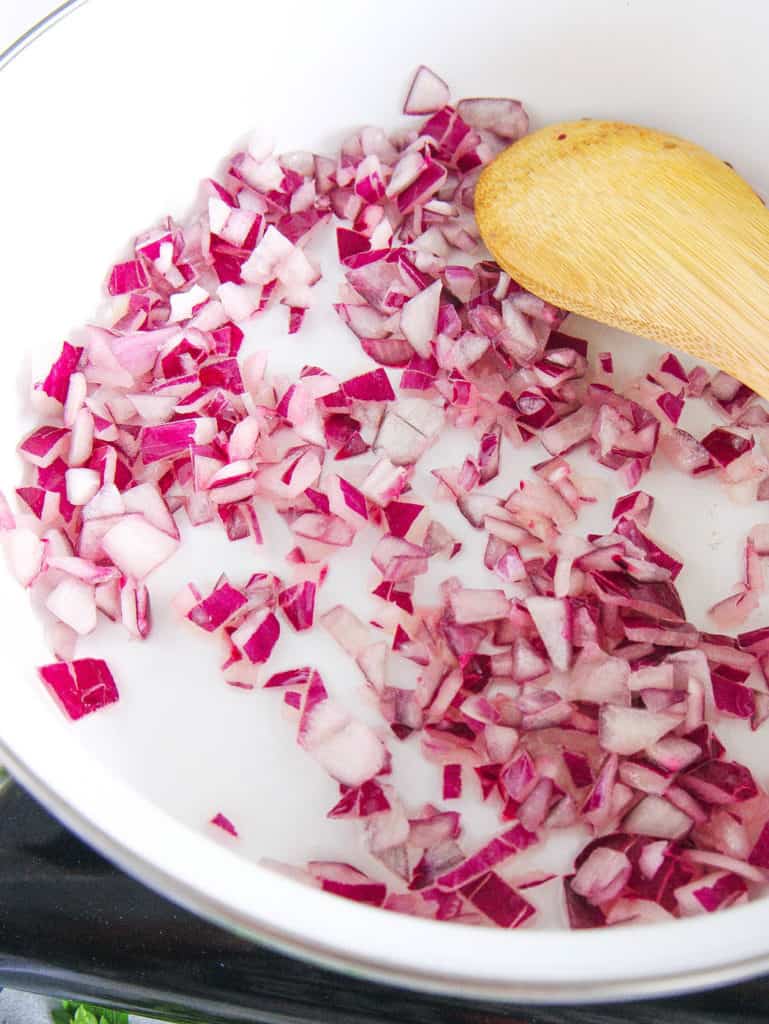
640 230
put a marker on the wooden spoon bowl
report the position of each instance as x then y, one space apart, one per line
640 230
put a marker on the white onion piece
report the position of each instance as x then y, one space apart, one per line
405 172
419 318
82 485
501 742
402 442
602 876
384 482
427 93
674 753
80 568
134 608
72 602
504 117
107 596
347 629
146 500
347 749
628 730
107 502
81 441
655 816
470 606
718 860
553 621
62 640
137 547
710 892
76 395
25 553
372 661
153 408
626 910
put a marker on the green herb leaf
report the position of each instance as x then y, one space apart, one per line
71 1012
113 1017
84 1016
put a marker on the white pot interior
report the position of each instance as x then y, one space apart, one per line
108 122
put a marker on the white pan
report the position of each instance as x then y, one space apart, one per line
107 122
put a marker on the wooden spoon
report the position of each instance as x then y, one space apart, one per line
640 230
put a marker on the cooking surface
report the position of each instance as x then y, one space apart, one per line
72 925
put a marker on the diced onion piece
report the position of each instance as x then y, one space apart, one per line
471 606
137 547
602 876
552 617
655 816
504 117
427 93
81 686
25 553
82 485
628 730
419 318
72 602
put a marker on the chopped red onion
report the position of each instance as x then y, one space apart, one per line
137 547
298 604
581 913
347 749
398 559
427 93
602 876
471 606
725 446
506 118
570 683
452 781
223 822
57 383
82 686
712 892
72 602
512 841
552 618
358 887
370 387
719 860
720 782
25 553
498 901
218 608
419 318
257 635
656 817
569 432
361 802
628 730
400 516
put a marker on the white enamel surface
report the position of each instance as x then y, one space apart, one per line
108 122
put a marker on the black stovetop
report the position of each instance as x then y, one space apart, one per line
72 925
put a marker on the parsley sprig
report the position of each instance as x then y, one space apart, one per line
83 1013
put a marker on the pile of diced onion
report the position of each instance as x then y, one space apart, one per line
570 689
